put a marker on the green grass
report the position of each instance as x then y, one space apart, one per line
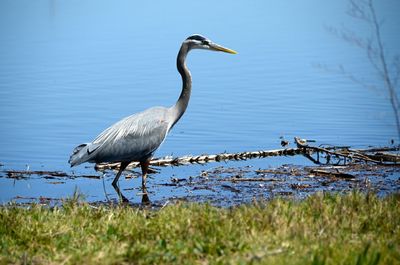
324 229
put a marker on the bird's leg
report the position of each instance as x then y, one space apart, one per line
120 195
145 197
121 168
145 166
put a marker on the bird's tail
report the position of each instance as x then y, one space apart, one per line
82 153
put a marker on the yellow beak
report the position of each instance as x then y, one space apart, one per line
217 47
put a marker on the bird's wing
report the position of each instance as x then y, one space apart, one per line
133 137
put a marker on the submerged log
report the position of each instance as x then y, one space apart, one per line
344 155
201 159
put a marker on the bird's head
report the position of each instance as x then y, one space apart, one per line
197 41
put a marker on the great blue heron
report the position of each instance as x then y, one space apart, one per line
137 137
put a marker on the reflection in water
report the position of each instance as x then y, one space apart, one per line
123 199
145 197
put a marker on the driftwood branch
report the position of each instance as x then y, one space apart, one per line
328 155
201 159
348 155
345 153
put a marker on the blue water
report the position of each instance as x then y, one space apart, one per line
69 69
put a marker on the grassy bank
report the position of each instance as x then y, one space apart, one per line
324 229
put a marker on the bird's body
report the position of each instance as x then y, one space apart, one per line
137 137
134 138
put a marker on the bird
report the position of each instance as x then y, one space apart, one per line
137 137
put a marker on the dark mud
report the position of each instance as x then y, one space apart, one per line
230 186
221 185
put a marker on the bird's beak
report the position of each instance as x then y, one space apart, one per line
217 47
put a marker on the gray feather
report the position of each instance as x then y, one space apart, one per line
134 138
82 153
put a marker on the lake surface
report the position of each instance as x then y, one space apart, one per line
70 69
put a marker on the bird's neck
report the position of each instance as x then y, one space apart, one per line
179 108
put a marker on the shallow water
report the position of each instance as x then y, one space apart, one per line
69 69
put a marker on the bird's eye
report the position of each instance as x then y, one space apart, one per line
204 42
